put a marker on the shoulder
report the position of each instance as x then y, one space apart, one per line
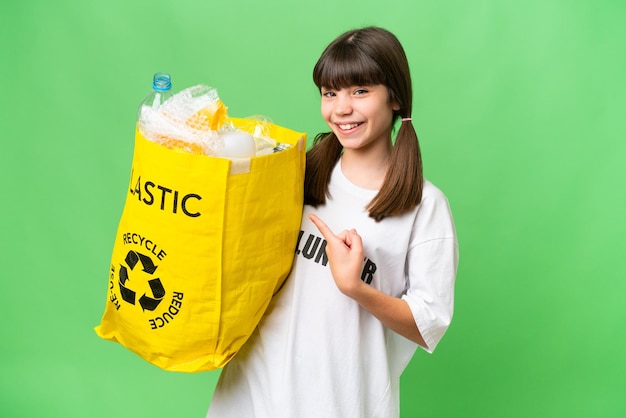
430 191
433 216
433 199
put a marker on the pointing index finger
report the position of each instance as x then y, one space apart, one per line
324 229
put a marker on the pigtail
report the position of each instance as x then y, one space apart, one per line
402 189
320 161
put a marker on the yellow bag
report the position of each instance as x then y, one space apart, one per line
199 252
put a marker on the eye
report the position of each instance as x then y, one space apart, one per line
360 91
328 93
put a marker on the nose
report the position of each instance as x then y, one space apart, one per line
343 104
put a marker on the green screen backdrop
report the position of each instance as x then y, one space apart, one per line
520 110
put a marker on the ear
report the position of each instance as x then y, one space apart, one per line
395 106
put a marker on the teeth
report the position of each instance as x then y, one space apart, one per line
349 126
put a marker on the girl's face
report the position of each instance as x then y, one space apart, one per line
360 116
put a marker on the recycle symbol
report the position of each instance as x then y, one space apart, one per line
158 292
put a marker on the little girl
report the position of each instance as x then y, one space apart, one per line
376 260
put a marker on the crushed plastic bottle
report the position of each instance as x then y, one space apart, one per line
161 91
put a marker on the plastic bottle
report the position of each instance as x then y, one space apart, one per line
161 91
237 144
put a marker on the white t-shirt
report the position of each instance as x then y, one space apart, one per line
316 352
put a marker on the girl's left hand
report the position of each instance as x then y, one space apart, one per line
345 256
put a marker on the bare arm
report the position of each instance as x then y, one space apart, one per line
345 256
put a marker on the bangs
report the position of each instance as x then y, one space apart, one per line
347 66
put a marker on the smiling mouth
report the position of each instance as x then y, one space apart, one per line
348 126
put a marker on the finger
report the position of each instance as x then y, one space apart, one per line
355 240
323 228
347 238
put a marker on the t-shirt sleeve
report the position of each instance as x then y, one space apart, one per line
431 270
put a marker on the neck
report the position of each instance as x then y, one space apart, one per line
366 170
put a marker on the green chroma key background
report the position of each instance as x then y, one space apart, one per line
520 110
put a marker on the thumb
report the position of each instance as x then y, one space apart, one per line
354 240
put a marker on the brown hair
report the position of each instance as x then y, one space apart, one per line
365 57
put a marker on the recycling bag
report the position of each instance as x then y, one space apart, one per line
201 247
